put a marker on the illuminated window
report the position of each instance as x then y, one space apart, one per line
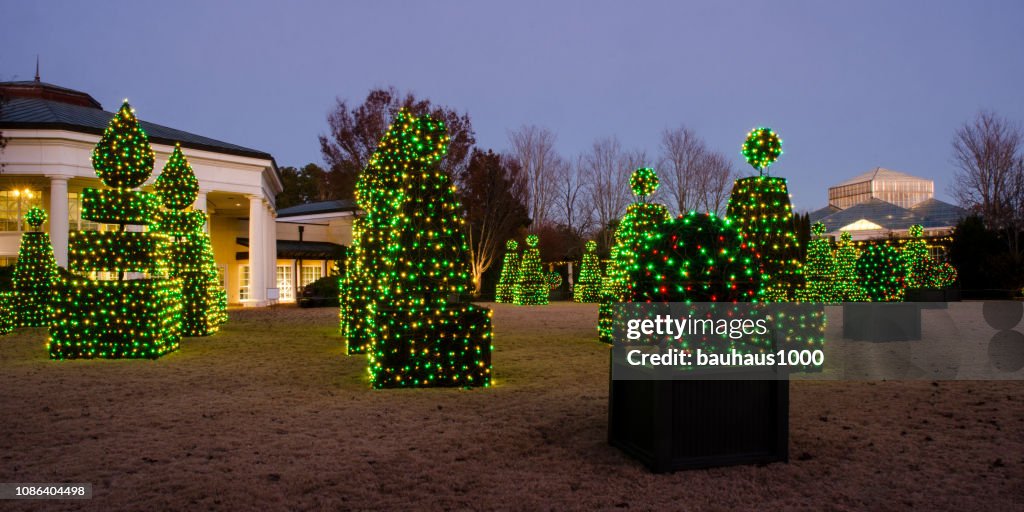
284 282
311 273
243 282
14 204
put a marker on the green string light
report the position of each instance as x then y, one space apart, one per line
589 287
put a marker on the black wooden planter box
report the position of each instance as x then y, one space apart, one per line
882 321
686 424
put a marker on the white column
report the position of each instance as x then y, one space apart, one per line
59 218
270 243
257 253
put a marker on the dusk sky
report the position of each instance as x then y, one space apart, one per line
849 86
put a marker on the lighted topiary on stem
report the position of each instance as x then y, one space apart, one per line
820 270
428 335
204 301
554 280
589 287
35 274
760 208
505 291
640 218
531 284
133 318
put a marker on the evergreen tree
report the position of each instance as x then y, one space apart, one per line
589 287
847 282
882 273
505 291
641 218
133 318
531 284
204 301
820 270
428 336
35 274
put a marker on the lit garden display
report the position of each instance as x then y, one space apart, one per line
427 335
922 270
554 280
881 272
847 282
8 312
531 283
589 287
190 259
820 270
97 312
761 210
505 291
640 218
378 193
35 274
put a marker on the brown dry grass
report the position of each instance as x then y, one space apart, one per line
269 414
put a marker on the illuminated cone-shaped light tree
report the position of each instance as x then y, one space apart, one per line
922 270
589 287
428 335
760 208
531 283
640 218
820 270
505 291
378 194
138 317
881 271
846 280
204 301
35 274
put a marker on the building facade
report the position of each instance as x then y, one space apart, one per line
51 132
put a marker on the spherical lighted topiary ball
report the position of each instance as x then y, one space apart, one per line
644 182
532 240
35 216
762 148
554 280
511 245
591 246
818 228
916 230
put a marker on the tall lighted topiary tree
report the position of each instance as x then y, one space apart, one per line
589 287
378 193
505 291
35 274
820 270
640 218
531 283
760 208
117 318
847 281
204 300
428 335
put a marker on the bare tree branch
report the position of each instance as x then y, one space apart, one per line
534 148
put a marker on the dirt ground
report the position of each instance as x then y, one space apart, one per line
270 414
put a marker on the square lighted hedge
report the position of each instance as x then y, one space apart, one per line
115 251
451 347
115 319
119 206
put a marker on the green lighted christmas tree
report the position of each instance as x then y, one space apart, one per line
589 287
759 206
7 312
531 284
881 272
204 301
922 270
35 274
119 318
641 217
428 335
847 281
820 270
379 194
505 291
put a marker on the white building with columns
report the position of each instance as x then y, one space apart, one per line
50 133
